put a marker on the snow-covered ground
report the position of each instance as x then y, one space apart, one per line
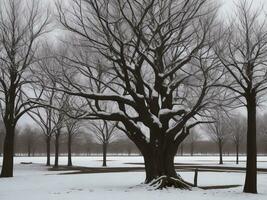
35 182
119 161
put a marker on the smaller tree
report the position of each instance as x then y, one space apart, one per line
104 133
58 118
238 132
72 125
43 118
219 131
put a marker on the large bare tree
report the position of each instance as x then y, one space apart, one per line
21 26
159 69
243 54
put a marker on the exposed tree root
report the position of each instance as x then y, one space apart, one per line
165 181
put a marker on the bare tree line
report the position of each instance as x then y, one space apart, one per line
84 144
155 71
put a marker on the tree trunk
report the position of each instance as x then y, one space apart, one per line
48 140
104 148
160 169
220 152
56 149
69 150
251 169
7 166
29 150
237 153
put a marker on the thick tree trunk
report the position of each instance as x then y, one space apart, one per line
160 169
7 166
56 149
220 152
48 141
251 169
237 154
69 149
104 148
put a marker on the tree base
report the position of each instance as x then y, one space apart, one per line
165 182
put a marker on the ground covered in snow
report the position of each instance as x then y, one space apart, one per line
34 181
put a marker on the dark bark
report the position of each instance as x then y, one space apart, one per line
69 149
8 153
251 169
104 148
56 149
220 147
48 140
160 169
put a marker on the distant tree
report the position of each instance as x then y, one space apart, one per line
58 118
21 27
104 132
43 116
72 125
50 114
219 131
238 132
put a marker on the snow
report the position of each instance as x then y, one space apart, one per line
156 121
119 161
36 182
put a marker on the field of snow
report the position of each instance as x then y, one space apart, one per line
36 182
119 161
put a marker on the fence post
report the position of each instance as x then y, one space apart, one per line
195 177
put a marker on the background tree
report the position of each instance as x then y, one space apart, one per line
21 27
72 125
58 118
219 131
42 116
242 52
158 66
238 130
104 133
